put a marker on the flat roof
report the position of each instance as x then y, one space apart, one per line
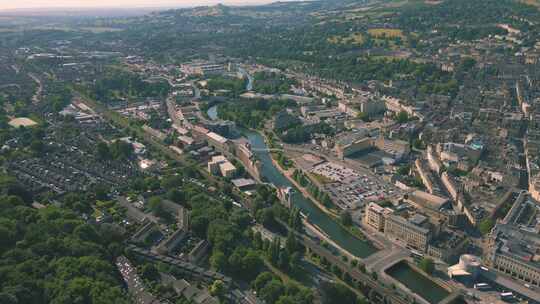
435 202
216 137
243 182
219 158
226 166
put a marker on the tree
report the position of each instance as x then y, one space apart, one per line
291 244
218 289
402 117
363 116
218 261
272 291
337 293
149 272
283 260
346 218
37 146
486 225
295 219
251 263
427 265
362 267
176 196
156 205
266 218
261 280
121 150
103 151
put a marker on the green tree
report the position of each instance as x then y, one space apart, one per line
427 265
402 117
103 151
149 272
337 293
272 291
155 204
262 279
218 260
486 225
346 218
37 146
218 289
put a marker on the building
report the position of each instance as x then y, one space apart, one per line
427 201
217 141
367 105
221 165
397 149
353 143
534 187
172 242
247 158
468 266
283 120
412 231
375 216
448 245
425 175
227 169
515 252
202 67
450 184
155 133
524 213
244 184
189 143
433 161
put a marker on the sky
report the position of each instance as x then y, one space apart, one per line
23 4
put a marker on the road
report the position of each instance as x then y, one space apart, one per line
315 247
356 274
385 258
37 96
134 282
171 110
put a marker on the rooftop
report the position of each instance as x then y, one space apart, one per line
216 137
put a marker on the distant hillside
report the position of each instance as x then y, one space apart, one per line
531 2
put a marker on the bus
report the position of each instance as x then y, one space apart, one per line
506 296
416 254
481 286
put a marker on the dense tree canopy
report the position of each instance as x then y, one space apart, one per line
52 256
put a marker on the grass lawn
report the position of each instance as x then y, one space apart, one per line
354 38
388 33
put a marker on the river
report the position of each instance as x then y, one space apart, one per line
342 237
212 112
417 283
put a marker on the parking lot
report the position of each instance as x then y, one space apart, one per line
350 189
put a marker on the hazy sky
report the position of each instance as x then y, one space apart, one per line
15 4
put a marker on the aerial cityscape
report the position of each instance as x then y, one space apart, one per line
297 152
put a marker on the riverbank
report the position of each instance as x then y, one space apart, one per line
418 283
324 237
327 224
355 232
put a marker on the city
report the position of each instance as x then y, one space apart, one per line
351 151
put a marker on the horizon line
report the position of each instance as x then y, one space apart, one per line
146 7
